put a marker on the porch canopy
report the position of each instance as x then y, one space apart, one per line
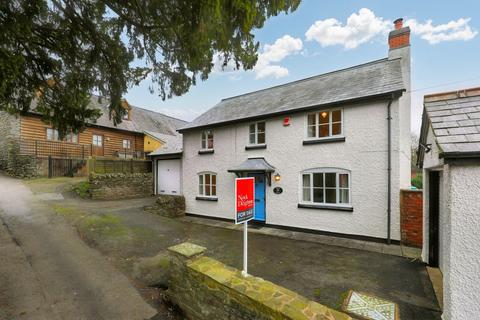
254 165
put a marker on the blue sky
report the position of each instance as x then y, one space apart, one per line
322 36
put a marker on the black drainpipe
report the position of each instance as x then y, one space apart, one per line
389 171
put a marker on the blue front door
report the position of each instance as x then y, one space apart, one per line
259 196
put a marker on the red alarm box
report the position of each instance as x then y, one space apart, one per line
286 121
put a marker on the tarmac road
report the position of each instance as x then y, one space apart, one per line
48 272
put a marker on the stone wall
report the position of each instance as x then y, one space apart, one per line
411 216
11 161
168 206
120 185
205 288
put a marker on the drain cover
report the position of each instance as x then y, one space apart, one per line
370 307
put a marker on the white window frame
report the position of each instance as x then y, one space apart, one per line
202 193
330 122
337 172
255 143
95 143
54 134
204 139
128 143
70 137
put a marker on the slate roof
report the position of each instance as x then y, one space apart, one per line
140 119
173 143
455 121
367 80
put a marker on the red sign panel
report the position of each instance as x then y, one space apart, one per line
244 199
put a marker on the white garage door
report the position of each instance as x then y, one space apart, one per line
168 177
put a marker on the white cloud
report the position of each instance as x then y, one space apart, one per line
450 31
270 71
361 27
265 67
274 53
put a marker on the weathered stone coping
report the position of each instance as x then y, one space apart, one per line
187 249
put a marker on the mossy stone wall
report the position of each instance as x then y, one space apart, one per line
113 186
11 161
168 206
205 288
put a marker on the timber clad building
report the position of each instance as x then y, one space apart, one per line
27 136
329 153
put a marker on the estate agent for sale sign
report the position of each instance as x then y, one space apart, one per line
245 199
244 211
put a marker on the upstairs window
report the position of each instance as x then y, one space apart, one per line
326 186
207 139
207 184
257 133
52 134
324 124
126 144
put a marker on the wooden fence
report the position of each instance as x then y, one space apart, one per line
56 149
119 166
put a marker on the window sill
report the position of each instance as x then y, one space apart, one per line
206 151
256 146
206 198
324 140
324 207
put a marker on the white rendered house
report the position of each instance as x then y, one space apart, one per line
449 154
329 153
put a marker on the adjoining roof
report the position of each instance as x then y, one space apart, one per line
173 143
253 165
367 80
455 121
140 119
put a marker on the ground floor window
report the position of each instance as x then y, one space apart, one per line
328 186
207 184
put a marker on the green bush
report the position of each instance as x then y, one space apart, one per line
417 181
82 189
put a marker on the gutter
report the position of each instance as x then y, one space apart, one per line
460 155
389 171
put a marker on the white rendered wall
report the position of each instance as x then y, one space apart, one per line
364 153
462 279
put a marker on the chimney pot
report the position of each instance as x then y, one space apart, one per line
398 23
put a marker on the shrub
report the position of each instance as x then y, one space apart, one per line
82 189
417 181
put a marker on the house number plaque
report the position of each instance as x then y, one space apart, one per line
277 190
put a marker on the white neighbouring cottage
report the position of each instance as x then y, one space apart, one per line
449 153
329 153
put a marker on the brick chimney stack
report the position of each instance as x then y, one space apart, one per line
400 37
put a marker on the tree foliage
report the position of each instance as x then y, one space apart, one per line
62 51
